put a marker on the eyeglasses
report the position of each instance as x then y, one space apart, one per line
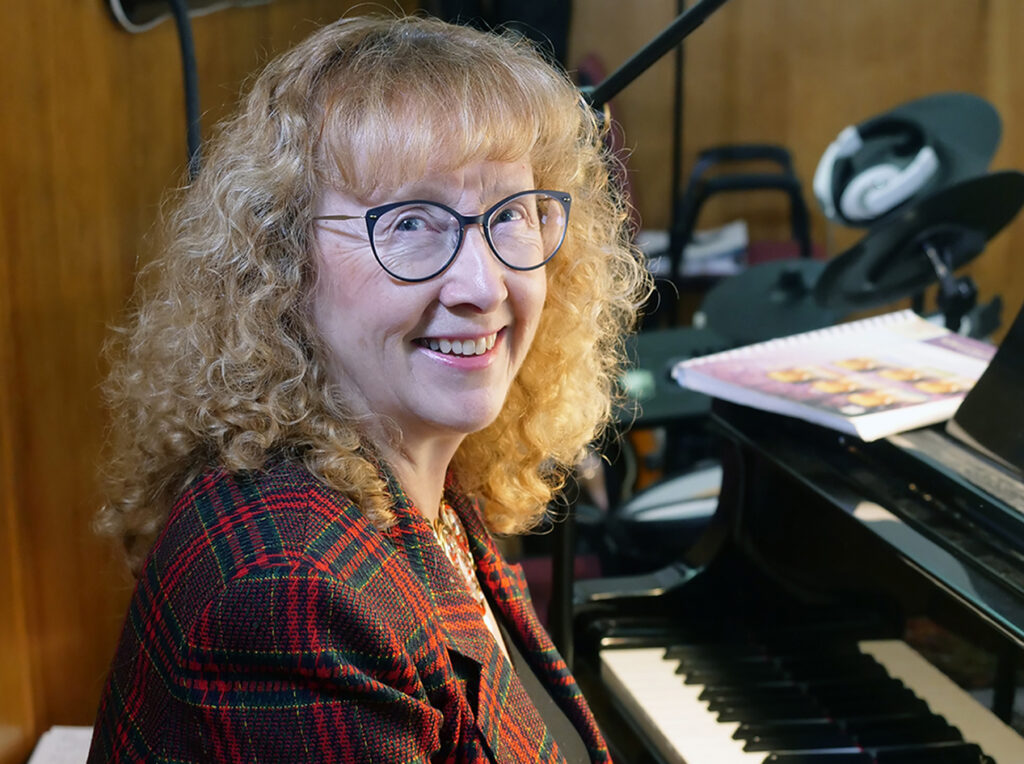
417 240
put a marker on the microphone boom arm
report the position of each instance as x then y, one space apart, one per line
674 34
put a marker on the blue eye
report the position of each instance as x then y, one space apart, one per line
415 219
521 212
410 224
507 215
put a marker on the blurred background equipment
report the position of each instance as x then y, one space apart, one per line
689 260
925 242
140 15
904 154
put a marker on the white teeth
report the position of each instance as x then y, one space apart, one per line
478 346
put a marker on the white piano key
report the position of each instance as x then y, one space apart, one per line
669 711
976 723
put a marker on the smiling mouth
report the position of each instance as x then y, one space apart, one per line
463 347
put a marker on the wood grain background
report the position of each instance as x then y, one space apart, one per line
91 136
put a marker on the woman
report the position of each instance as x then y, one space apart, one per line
385 323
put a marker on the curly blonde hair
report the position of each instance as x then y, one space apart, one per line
221 364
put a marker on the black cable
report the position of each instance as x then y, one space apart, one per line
191 81
677 127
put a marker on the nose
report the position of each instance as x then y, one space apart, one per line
476 277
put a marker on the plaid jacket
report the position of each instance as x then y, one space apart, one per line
273 622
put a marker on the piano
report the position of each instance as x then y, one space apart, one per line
786 634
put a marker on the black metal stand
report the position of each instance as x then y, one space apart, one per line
564 554
957 296
563 574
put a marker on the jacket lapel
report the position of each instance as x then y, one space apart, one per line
509 593
462 628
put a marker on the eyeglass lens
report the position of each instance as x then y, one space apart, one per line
418 239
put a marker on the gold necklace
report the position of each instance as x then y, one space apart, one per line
452 538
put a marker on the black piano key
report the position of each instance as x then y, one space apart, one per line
821 757
793 704
829 733
725 652
961 753
737 674
834 703
747 672
738 657
883 687
748 730
939 753
720 697
752 651
800 737
826 689
797 708
899 731
816 667
905 702
810 707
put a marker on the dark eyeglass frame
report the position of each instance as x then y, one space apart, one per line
374 214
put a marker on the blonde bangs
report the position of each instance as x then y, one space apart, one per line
415 112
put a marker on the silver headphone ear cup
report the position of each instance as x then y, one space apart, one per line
879 189
911 179
853 201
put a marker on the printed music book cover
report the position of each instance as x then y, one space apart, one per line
870 378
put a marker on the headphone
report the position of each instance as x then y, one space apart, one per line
863 173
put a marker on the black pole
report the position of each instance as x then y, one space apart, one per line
563 576
677 124
191 84
655 49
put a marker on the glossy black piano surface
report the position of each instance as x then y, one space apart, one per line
822 546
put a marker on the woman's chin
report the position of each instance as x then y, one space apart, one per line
462 420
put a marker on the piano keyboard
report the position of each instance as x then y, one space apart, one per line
883 703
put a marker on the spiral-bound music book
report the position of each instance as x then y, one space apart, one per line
870 378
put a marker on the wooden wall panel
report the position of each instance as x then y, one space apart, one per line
613 31
16 709
796 72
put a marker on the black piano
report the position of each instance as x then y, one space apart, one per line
786 634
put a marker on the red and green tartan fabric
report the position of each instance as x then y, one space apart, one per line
273 623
